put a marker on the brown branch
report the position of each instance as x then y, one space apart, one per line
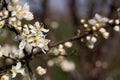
70 39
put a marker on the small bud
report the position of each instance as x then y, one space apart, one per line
85 25
93 39
117 28
117 21
111 21
106 35
88 38
68 44
102 30
82 21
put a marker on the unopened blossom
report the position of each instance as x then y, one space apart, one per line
91 41
61 50
98 20
5 77
104 33
41 71
17 69
68 44
117 28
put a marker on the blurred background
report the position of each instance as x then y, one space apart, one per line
62 17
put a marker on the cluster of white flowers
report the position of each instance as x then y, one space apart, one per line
63 63
95 25
18 12
12 15
15 70
34 35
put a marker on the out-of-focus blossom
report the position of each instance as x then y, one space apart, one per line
67 66
5 77
104 33
4 51
41 71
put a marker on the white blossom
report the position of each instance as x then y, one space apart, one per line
17 69
37 29
98 20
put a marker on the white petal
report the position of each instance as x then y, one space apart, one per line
44 30
22 44
33 31
105 19
92 21
26 7
15 1
22 71
98 17
31 27
41 45
91 46
14 75
43 51
18 66
28 16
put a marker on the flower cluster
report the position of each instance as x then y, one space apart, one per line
12 15
95 26
34 36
